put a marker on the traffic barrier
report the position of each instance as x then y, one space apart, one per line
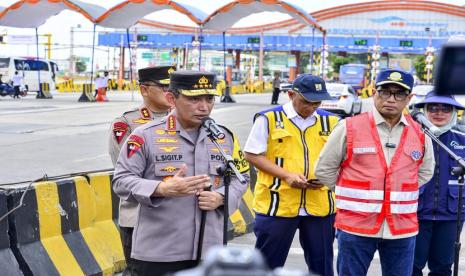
55 231
66 86
44 92
8 261
106 219
241 221
87 93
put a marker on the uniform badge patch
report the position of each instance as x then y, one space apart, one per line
141 121
145 113
166 140
134 144
416 155
119 130
160 131
169 169
171 123
168 149
217 181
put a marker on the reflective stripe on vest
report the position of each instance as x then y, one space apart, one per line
367 194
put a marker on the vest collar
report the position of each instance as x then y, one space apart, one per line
379 119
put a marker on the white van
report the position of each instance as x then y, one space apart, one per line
29 68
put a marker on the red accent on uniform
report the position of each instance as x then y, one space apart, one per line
119 130
134 144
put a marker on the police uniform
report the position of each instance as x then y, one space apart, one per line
121 129
167 228
293 143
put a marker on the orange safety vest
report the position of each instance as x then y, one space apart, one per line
368 190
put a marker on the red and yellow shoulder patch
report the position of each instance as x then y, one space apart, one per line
171 123
145 113
135 142
119 130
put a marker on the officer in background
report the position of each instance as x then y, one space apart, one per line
284 144
165 166
437 205
377 160
153 83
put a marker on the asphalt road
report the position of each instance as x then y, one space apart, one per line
61 136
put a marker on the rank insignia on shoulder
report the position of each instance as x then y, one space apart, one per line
325 133
171 123
119 131
135 142
168 149
145 113
169 169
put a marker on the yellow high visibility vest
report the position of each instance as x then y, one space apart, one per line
295 151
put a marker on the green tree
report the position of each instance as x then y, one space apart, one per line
81 66
420 67
338 61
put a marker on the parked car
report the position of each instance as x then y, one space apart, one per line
285 86
419 92
346 101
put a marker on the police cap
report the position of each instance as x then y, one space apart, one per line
157 74
193 83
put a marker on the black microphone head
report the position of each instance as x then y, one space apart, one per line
206 121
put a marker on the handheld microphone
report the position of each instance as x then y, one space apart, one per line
213 128
421 119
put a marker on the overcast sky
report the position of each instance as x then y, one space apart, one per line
60 25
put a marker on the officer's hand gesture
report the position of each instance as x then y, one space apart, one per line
180 185
209 200
296 180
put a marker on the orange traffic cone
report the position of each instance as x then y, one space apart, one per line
102 95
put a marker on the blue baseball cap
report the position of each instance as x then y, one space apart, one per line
311 87
395 76
432 97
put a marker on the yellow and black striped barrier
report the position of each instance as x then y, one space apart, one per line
44 91
55 231
87 93
69 227
8 263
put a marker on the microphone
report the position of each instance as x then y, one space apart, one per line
213 128
421 119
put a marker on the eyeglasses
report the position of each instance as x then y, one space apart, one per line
398 95
162 87
437 108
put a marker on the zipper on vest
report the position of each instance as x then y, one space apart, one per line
304 143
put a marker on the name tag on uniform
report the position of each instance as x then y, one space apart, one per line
365 150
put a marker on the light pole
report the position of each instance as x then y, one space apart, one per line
72 58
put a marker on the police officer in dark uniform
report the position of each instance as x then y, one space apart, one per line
164 166
154 82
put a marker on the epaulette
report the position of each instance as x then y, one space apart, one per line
130 111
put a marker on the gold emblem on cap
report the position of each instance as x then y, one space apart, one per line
203 80
203 83
395 76
171 70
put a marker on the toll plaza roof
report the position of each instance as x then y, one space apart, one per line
32 14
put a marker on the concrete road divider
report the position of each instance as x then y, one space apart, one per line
55 231
106 219
8 263
69 227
